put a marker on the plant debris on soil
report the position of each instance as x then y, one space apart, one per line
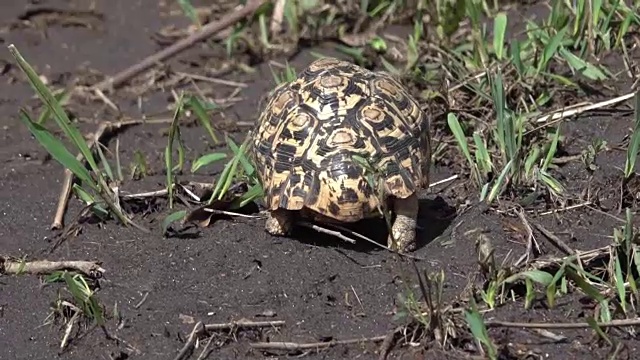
132 224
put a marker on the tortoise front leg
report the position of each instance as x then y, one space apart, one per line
404 225
279 222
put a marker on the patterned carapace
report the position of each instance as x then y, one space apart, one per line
309 130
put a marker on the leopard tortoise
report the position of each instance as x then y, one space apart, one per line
306 137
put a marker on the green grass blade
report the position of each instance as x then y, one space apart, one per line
594 325
552 150
497 187
624 29
585 68
531 160
105 162
59 114
619 282
168 161
479 330
176 216
61 97
499 31
552 287
483 159
57 150
240 152
539 276
201 114
207 159
456 129
634 143
96 208
168 151
516 59
230 175
585 286
189 11
551 49
553 184
254 193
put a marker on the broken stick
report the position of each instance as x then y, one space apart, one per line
290 346
199 329
13 266
206 31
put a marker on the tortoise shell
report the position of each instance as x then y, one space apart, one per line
306 137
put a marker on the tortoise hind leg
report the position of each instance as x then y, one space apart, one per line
403 228
279 222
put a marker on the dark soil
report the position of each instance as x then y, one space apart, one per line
321 287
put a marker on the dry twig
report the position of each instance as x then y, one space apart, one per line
577 325
555 240
188 346
568 112
320 229
291 346
199 329
13 266
205 32
243 324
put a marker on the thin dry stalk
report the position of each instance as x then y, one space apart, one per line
291 346
578 325
555 241
203 33
188 346
213 80
565 113
199 329
531 241
320 229
69 327
12 266
244 324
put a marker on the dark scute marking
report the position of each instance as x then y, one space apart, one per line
299 136
294 179
329 97
334 209
282 191
395 145
348 196
318 94
353 89
343 166
387 124
298 192
264 149
392 169
401 103
407 177
312 183
284 157
365 188
359 144
295 87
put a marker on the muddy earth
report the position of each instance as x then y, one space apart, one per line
156 288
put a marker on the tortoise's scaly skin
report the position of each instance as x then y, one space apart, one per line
308 132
